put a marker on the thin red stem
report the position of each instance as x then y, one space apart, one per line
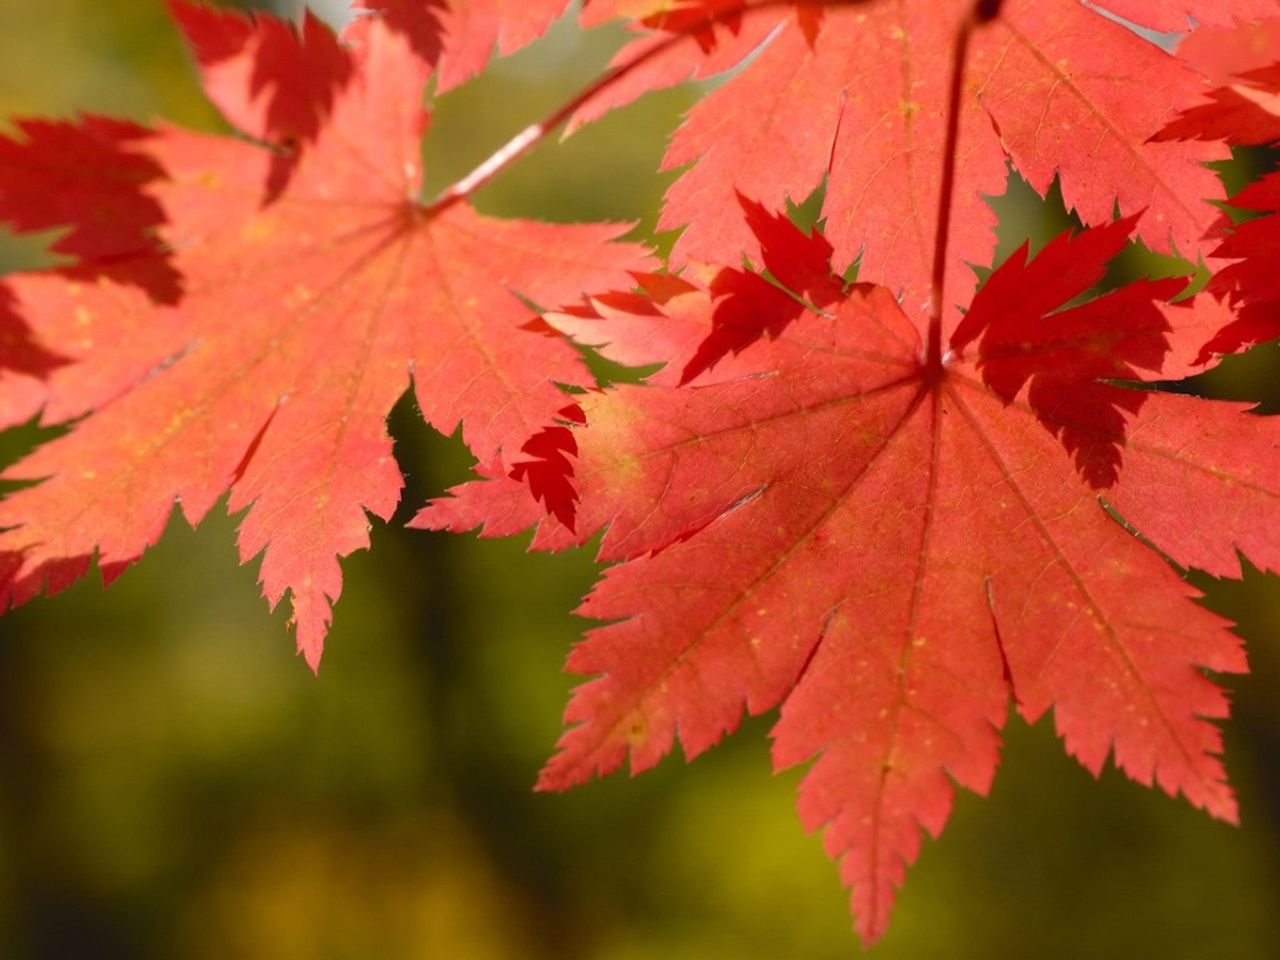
983 12
533 134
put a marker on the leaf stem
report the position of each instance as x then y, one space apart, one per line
533 134
983 12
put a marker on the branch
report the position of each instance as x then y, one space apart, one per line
984 11
533 134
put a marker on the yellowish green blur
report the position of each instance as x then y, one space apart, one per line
175 784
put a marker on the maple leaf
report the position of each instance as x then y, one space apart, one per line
892 552
1250 283
1245 112
1221 52
305 314
1052 86
267 78
89 178
1245 108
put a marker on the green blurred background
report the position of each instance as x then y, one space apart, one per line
175 784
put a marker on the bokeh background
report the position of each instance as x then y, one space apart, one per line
174 783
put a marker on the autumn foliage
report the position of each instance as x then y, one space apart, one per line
891 507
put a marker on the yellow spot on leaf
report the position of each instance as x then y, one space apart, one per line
256 230
637 733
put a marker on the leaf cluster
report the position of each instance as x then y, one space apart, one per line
890 509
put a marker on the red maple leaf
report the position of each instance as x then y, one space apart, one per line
856 93
1250 284
892 551
268 79
1245 110
1222 51
306 312
89 178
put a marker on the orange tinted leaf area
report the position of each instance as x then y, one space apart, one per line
315 286
891 510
